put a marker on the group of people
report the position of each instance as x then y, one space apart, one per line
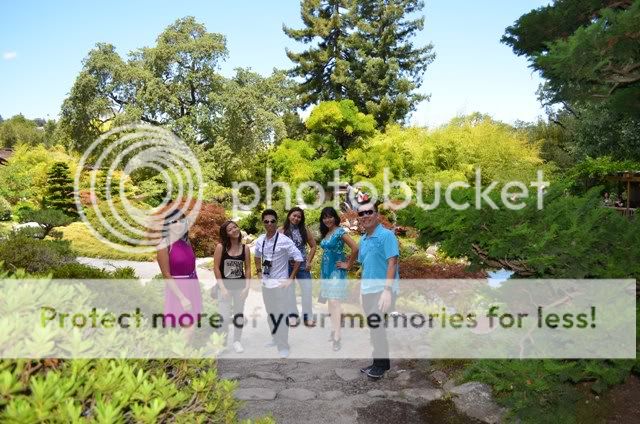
283 256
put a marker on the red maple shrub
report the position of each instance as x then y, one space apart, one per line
415 267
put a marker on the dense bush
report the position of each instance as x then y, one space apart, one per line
571 237
5 210
23 207
251 223
19 251
81 271
546 391
48 219
25 175
115 391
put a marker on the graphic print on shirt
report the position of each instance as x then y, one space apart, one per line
232 268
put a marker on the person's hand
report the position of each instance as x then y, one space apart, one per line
342 265
385 301
308 265
224 292
286 283
186 303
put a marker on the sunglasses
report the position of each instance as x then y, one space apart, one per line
367 212
269 221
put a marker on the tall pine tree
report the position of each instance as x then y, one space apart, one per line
59 193
364 54
325 67
388 68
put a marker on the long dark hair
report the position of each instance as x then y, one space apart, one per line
287 225
226 241
328 212
170 218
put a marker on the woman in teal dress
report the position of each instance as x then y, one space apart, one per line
333 268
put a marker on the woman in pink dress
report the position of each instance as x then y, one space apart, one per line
182 297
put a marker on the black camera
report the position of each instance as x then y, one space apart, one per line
266 267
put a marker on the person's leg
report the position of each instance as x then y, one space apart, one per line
224 309
238 314
291 297
377 330
335 310
281 296
269 305
306 294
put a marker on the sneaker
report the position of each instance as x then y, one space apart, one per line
366 369
272 343
237 347
284 353
337 345
376 372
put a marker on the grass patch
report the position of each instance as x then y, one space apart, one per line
84 243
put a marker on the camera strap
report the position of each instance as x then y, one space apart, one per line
273 252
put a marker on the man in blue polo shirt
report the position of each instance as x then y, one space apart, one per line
378 255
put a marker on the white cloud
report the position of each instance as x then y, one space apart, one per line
9 55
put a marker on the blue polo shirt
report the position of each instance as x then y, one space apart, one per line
374 252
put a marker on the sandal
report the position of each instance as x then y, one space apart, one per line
309 323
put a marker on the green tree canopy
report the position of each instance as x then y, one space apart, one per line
586 50
20 130
363 53
176 84
335 126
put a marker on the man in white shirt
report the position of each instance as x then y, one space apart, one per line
272 254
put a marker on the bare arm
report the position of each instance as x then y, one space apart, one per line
392 264
354 249
311 241
247 266
217 259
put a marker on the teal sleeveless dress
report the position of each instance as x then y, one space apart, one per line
334 280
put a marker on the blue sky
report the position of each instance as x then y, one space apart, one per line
42 45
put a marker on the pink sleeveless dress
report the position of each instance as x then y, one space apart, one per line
182 266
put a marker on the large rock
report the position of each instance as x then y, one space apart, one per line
297 394
426 395
348 374
474 399
331 395
265 375
256 393
376 393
